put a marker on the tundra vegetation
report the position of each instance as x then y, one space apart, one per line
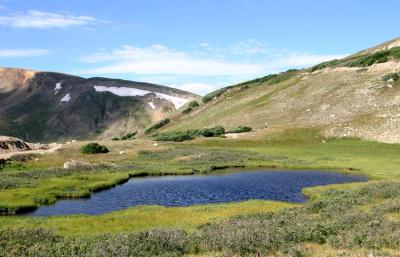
179 136
342 220
156 126
126 136
191 106
358 219
93 148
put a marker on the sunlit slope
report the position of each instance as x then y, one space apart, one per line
356 96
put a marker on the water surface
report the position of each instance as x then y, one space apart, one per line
199 189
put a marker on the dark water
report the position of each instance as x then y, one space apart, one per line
199 189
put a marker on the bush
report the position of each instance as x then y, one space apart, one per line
94 148
212 132
125 137
213 95
377 57
325 65
240 129
128 136
177 136
394 76
156 126
187 110
192 105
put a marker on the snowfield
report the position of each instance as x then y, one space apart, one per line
66 98
152 106
127 91
57 88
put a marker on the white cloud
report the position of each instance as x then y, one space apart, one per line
304 59
19 53
44 20
201 70
197 88
159 59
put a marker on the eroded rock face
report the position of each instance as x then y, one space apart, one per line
12 144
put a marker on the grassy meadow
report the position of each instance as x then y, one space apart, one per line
339 219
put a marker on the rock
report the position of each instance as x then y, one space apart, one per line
74 164
12 144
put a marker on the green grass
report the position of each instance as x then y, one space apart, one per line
356 221
47 191
305 148
144 217
292 149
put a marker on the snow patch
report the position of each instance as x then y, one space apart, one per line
152 106
58 87
127 91
66 98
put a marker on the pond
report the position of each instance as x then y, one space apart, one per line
199 189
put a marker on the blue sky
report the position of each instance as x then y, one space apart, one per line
195 45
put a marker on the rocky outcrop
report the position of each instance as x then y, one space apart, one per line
12 144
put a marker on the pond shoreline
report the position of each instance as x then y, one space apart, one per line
23 210
202 189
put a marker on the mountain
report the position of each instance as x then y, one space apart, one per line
48 106
357 96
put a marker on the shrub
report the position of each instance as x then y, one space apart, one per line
394 76
94 148
325 65
11 165
213 95
177 136
187 110
212 132
240 129
192 105
125 137
377 57
156 126
128 136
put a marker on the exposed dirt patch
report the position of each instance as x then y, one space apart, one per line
11 146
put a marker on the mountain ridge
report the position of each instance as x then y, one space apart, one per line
47 106
357 96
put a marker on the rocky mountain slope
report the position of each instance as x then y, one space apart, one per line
358 96
46 106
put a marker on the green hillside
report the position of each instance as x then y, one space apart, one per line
353 97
